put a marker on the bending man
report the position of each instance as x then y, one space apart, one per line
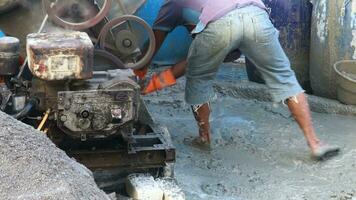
224 26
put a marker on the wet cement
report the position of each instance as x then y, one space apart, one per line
258 150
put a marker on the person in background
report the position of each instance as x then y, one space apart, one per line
224 26
172 14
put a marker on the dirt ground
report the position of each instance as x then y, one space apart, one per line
258 150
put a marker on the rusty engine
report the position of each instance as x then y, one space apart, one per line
79 89
62 64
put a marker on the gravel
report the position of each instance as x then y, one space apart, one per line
32 167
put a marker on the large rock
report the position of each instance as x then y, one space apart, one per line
31 167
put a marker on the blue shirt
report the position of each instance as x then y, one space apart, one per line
199 13
2 34
173 13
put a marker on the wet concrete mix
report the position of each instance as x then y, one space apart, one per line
258 150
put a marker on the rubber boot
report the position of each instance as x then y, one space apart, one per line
201 115
159 81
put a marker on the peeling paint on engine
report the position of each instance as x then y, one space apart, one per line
63 56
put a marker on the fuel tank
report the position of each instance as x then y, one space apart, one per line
60 56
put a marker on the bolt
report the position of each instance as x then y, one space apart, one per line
85 114
63 118
127 43
67 106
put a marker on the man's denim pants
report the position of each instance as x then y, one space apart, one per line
250 30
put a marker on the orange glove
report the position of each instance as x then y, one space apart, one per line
159 81
141 73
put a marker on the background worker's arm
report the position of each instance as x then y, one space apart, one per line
178 69
160 36
167 77
169 17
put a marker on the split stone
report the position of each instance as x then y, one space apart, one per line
171 189
143 187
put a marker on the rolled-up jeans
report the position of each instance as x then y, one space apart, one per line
250 30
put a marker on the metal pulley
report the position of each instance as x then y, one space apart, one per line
109 56
53 9
125 40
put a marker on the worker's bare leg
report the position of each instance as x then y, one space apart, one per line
202 114
299 108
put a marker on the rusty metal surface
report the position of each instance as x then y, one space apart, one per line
54 10
118 64
60 56
122 7
111 162
130 18
134 152
27 19
101 112
333 38
4 96
9 55
120 159
88 107
108 104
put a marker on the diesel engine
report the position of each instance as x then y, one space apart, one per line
78 88
85 104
